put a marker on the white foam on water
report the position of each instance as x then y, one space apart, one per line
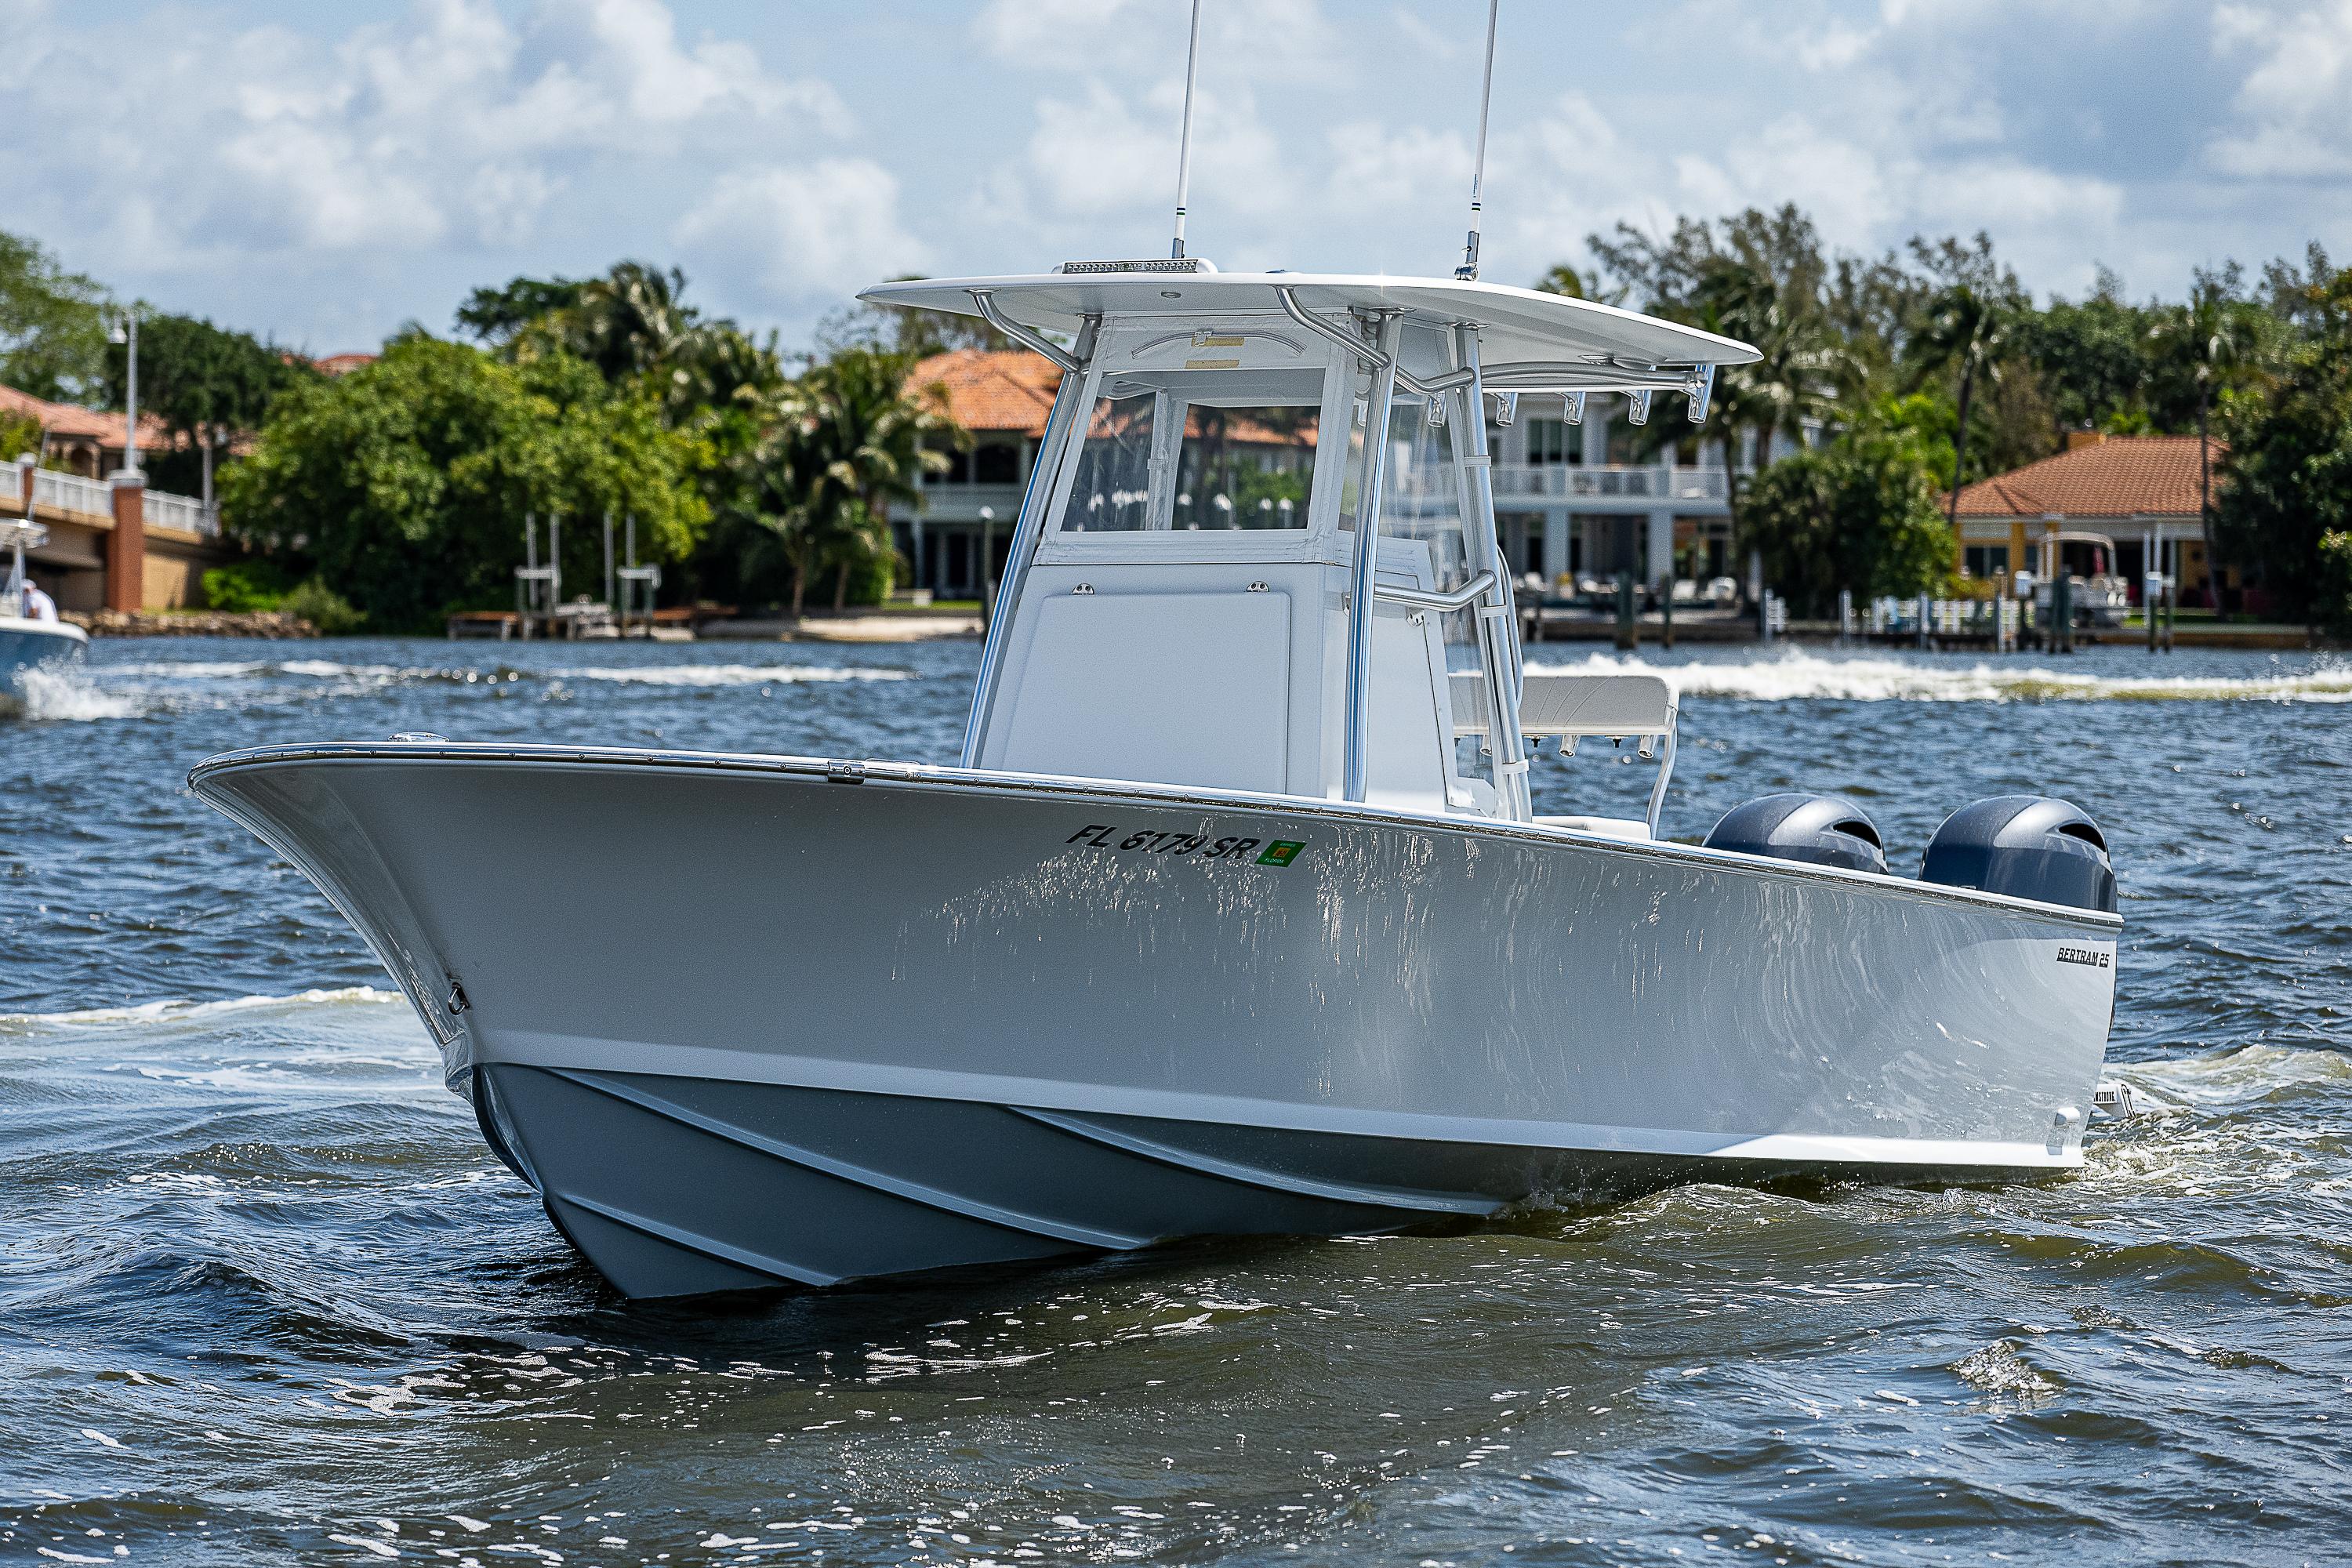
71 696
690 675
730 674
1796 675
328 669
177 1010
190 669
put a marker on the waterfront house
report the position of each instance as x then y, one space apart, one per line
2141 491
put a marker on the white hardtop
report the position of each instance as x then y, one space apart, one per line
1545 334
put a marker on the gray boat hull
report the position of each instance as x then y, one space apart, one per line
748 1021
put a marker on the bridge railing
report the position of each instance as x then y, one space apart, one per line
162 509
94 497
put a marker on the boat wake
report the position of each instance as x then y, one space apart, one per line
731 675
1798 675
390 674
69 695
181 1010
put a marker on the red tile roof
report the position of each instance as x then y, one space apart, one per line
1003 391
2123 476
1011 391
67 419
343 364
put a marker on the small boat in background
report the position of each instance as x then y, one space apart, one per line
29 642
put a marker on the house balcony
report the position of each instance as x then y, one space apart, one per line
961 503
1640 488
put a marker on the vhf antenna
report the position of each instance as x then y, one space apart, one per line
1469 271
1184 149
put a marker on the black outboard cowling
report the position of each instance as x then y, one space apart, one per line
2027 845
1820 829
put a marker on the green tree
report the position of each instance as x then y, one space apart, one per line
52 331
2332 607
495 316
1760 278
20 434
1859 513
405 485
2091 354
847 441
2287 478
1563 280
205 382
916 334
1966 331
2215 335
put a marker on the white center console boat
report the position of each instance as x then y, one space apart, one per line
1235 915
26 642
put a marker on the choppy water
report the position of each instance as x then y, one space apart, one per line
264 1296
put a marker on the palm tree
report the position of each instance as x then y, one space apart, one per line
1805 364
1969 329
2218 337
845 441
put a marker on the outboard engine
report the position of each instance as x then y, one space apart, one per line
1820 829
2027 845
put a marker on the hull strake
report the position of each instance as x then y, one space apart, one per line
1058 966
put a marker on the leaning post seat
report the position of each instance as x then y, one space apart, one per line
1570 708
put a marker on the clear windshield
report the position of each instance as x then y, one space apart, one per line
1420 489
1194 450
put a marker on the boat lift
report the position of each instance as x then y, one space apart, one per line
636 582
540 606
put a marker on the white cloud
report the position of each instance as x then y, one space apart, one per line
452 125
333 176
2296 104
1837 180
826 228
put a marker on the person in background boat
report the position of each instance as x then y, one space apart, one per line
37 605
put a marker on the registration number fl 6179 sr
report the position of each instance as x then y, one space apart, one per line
1146 841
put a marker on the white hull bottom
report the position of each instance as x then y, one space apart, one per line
940 1018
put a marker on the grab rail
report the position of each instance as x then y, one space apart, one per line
1459 599
1378 358
986 304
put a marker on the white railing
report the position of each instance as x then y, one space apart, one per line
71 493
186 513
94 497
1537 480
961 503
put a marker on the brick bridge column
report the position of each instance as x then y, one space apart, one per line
126 547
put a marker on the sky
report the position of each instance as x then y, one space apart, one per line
321 175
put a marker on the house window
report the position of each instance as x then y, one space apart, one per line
1984 560
996 463
1547 442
